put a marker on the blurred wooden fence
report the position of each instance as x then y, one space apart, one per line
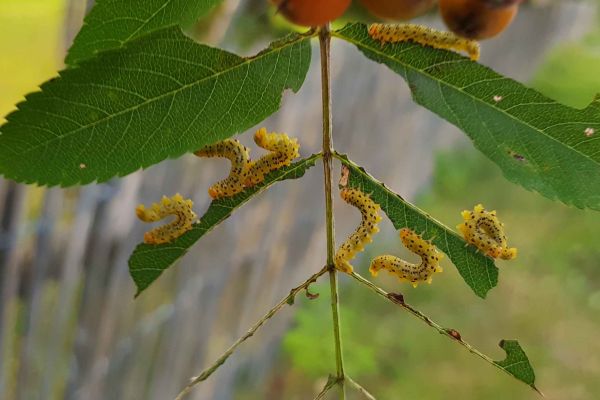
70 328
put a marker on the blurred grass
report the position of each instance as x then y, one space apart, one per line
31 47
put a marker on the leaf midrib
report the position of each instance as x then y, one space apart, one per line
245 62
447 84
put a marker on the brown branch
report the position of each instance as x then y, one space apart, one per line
289 299
325 47
398 299
331 382
360 389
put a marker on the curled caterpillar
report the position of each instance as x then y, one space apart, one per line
282 151
405 271
393 33
176 206
368 227
484 230
239 156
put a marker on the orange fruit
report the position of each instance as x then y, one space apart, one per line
477 19
398 9
311 12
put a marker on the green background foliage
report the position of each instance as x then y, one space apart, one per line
38 34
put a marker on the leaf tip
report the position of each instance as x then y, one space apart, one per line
516 363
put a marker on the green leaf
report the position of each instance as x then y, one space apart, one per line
113 23
538 143
516 363
161 96
477 270
148 262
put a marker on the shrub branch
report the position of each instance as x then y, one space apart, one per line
325 46
398 299
289 299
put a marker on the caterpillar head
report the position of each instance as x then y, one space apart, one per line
377 264
508 253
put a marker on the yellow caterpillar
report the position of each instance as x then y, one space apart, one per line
393 33
413 273
368 227
484 230
282 151
176 206
239 156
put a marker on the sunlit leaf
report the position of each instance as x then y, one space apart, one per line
161 96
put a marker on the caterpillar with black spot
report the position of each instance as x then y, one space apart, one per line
239 156
177 206
409 272
484 230
282 151
424 35
362 235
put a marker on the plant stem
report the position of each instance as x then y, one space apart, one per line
398 299
221 360
325 45
360 389
331 382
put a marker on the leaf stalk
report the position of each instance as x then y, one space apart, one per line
325 47
398 300
288 300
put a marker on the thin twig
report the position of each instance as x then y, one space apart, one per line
449 333
360 389
325 46
331 382
221 360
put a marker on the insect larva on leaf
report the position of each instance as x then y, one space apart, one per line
484 230
362 235
238 154
405 271
177 206
394 33
282 150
